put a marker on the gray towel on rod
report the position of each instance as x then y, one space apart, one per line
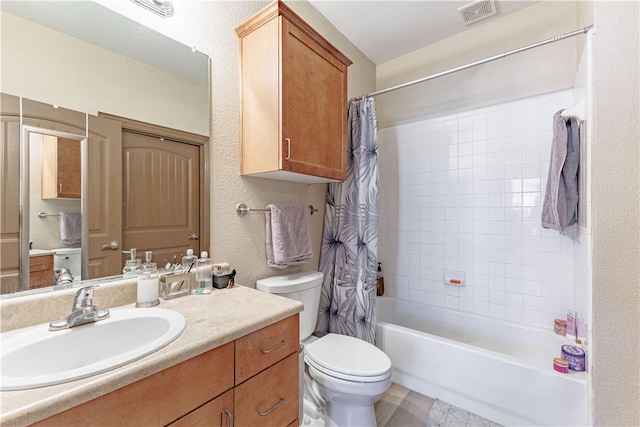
560 205
288 235
70 228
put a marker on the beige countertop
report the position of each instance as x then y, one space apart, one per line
212 320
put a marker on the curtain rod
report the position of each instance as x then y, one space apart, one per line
480 62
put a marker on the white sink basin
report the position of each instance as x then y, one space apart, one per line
38 357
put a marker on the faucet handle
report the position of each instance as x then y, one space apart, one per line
84 297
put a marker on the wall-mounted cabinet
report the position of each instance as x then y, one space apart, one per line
60 168
294 100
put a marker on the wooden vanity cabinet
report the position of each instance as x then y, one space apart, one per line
206 390
294 100
60 168
41 271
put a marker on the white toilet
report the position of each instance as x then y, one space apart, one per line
69 258
349 374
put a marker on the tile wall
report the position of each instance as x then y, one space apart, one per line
463 193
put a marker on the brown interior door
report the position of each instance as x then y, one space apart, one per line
161 196
105 198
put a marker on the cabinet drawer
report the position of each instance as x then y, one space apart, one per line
261 349
216 413
271 397
40 263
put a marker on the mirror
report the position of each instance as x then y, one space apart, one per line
90 60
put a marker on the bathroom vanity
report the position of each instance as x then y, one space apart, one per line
236 361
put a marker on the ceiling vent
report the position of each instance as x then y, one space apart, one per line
477 11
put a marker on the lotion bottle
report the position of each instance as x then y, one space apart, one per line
148 286
204 274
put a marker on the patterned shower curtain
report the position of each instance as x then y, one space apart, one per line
350 238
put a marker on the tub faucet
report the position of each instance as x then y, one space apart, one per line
83 311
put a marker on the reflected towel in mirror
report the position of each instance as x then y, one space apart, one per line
70 228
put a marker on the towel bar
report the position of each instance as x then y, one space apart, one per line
44 215
242 209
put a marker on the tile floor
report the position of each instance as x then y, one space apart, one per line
401 407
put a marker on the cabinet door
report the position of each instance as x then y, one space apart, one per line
314 107
69 168
216 413
271 397
60 168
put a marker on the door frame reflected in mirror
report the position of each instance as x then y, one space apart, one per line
25 282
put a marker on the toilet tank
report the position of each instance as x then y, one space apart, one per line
303 287
69 258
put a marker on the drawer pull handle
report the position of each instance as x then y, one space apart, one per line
283 342
230 417
273 408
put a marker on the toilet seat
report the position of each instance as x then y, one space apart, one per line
348 358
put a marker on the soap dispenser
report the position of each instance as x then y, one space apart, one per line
148 286
132 265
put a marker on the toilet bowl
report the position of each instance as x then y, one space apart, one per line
349 375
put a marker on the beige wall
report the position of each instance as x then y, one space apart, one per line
616 215
209 25
48 66
541 70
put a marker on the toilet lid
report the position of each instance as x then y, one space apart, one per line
348 358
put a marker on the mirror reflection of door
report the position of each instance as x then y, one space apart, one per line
105 197
9 193
161 196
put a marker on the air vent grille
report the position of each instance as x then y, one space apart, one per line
477 11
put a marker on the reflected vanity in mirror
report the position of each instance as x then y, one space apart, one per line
132 140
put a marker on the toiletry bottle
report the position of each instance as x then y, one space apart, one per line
571 324
379 281
132 265
148 286
203 275
188 261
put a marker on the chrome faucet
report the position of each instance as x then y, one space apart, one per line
82 312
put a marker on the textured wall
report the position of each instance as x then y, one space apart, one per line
209 25
237 240
616 215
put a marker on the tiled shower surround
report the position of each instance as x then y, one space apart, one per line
464 193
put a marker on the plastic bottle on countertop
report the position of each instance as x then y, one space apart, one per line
204 274
189 260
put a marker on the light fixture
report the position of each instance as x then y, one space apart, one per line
159 7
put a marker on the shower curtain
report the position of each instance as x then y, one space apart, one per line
350 237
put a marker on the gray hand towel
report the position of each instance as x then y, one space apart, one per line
288 235
560 205
70 228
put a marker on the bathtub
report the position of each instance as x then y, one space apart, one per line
495 369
